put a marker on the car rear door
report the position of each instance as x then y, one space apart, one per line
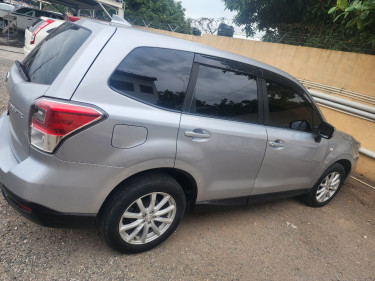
293 157
221 141
52 73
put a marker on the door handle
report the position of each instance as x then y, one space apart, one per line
198 133
276 143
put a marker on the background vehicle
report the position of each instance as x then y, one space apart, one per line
5 9
27 16
38 31
132 128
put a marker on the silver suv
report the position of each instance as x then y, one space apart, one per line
131 129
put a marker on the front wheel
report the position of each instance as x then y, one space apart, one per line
143 214
327 187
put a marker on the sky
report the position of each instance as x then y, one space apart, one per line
206 8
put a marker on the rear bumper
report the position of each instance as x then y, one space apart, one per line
51 187
26 50
45 216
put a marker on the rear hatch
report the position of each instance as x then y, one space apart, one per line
49 67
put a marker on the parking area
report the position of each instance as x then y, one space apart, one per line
283 240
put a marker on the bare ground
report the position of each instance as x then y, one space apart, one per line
336 242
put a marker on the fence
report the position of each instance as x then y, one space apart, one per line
332 40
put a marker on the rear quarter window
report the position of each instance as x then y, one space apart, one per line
47 60
155 76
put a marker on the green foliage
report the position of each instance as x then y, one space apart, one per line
302 22
360 14
265 15
159 13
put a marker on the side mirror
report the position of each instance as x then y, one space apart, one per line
300 125
326 130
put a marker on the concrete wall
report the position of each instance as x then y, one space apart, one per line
351 71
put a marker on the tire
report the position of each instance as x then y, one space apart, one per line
326 187
131 223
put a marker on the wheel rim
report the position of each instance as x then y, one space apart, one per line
328 187
147 218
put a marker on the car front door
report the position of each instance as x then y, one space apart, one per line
221 141
293 156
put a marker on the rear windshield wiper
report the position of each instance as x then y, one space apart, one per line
23 70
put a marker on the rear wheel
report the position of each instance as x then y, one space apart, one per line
327 187
143 214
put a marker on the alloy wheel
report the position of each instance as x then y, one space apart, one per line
147 218
328 187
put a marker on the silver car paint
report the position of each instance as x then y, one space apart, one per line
225 164
79 176
291 166
42 178
23 94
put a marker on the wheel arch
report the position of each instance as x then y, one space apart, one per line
347 166
186 181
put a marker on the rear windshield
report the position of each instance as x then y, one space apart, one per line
48 58
35 25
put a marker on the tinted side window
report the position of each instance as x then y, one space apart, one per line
226 94
287 109
153 75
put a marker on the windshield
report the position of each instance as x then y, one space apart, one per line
48 58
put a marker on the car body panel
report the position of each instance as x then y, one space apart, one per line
292 166
86 167
21 95
226 163
341 147
42 178
162 125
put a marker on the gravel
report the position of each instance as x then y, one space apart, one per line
281 240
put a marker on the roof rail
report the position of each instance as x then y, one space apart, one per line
119 20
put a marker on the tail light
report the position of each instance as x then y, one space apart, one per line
52 121
72 18
43 25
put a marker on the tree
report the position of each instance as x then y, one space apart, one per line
356 13
264 15
158 13
297 22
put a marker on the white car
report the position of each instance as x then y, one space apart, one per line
28 16
5 9
38 31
